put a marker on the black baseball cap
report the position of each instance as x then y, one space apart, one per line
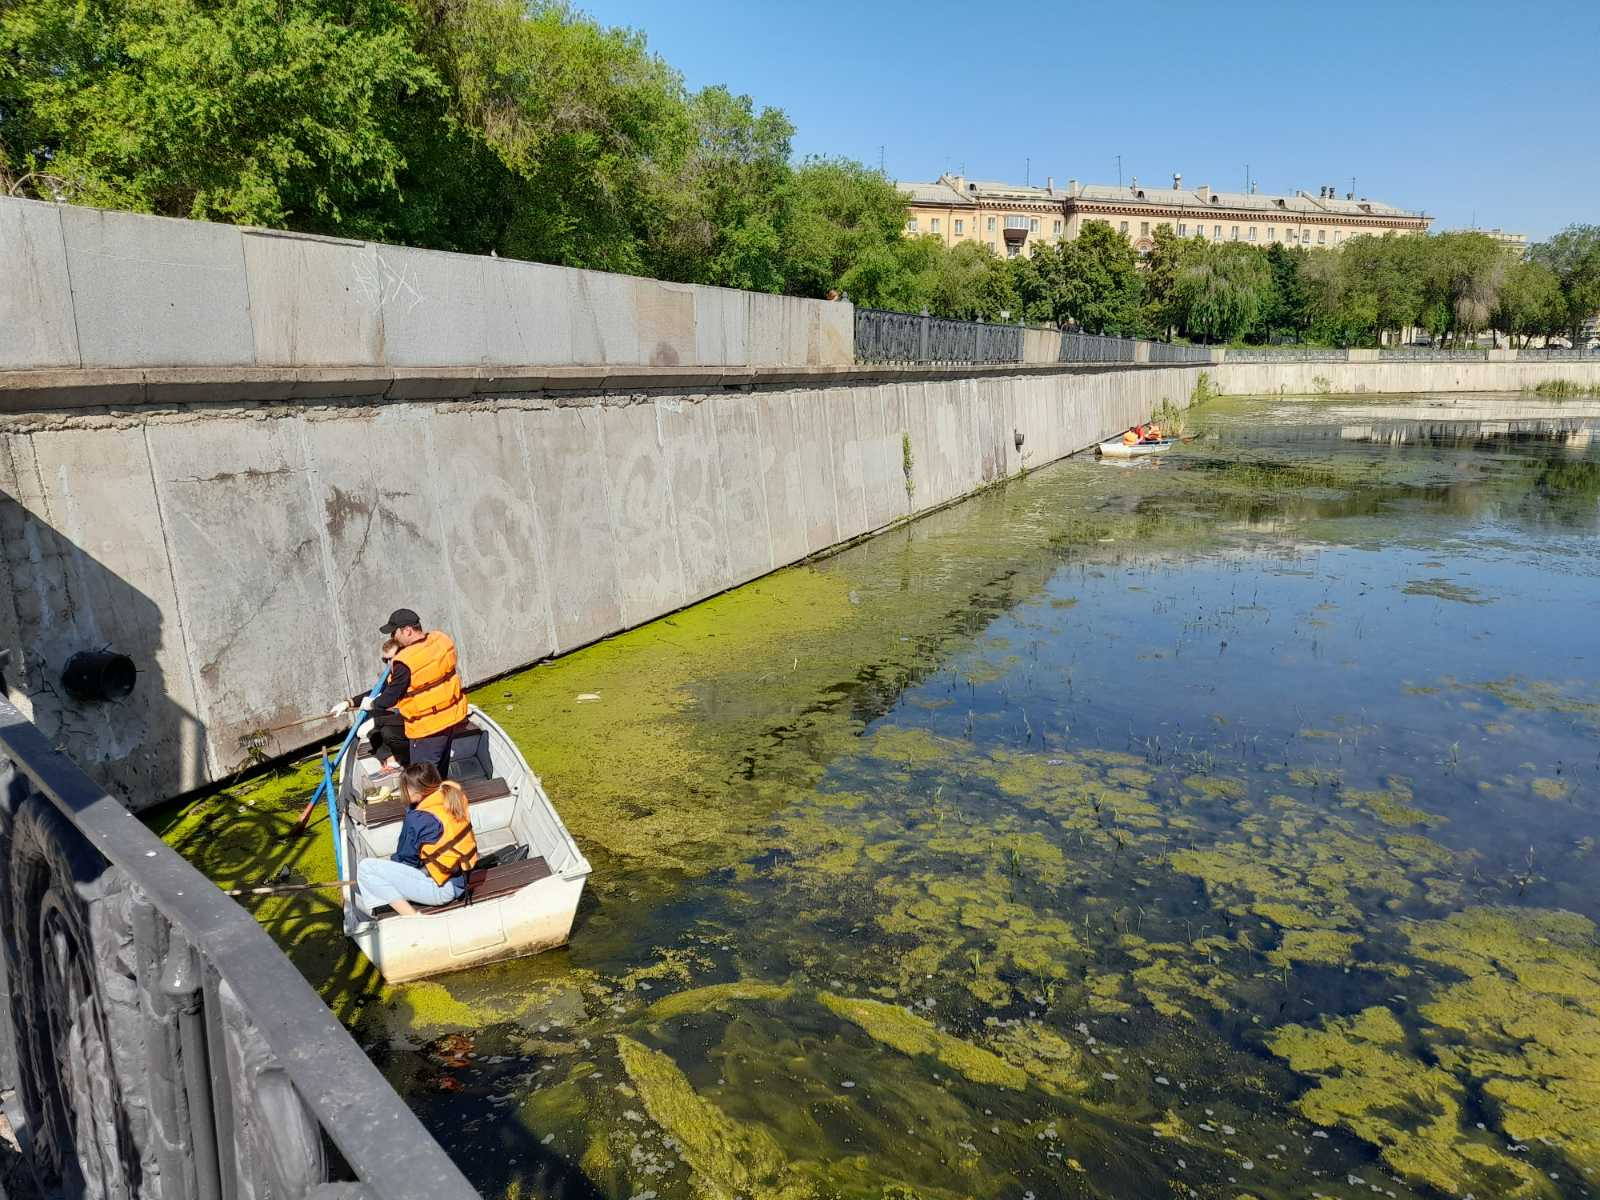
399 617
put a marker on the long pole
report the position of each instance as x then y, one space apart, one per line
284 889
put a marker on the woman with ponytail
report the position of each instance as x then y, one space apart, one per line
437 848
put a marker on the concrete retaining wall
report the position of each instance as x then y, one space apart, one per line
85 288
244 555
1312 379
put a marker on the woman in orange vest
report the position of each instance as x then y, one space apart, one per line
423 689
1134 436
436 850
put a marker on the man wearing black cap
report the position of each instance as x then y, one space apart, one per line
423 688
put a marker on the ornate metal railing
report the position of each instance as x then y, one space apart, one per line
156 1044
1167 352
1285 354
1090 347
1432 354
1557 355
893 337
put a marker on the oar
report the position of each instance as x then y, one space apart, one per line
283 888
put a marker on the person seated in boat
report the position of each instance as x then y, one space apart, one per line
436 850
1134 436
388 736
1152 433
423 689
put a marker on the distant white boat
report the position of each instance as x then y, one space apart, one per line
1117 448
521 902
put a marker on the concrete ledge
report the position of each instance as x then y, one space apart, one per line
76 387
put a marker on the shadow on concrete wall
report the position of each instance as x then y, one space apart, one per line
61 601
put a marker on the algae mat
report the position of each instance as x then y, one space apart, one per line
1220 826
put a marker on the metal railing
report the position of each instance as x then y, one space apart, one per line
156 1043
1167 352
1093 347
893 337
1276 354
1432 354
1557 355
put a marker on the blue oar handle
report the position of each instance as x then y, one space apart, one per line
326 788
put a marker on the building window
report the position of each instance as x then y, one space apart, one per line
1305 235
1271 234
1033 225
990 226
1322 237
933 225
1123 227
1216 232
1252 233
911 225
1058 228
1290 235
960 226
1235 234
1144 228
1183 230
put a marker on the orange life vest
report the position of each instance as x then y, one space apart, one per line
456 851
1131 438
434 702
1152 433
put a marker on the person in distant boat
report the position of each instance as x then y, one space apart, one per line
1140 434
436 850
424 688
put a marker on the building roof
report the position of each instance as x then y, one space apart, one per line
1203 198
956 189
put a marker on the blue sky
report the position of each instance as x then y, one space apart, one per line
1473 112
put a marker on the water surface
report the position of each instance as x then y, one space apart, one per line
1217 825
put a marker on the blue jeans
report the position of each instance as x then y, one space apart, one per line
380 880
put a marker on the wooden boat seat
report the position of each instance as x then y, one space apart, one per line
387 812
489 883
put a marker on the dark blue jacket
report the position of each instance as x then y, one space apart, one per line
419 829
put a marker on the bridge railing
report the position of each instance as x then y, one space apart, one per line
1091 347
895 337
1431 354
1170 352
1287 354
156 1043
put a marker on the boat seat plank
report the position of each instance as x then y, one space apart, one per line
386 812
490 883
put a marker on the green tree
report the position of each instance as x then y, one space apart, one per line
1092 281
275 112
1574 256
1531 303
1169 254
1287 309
1462 276
1222 294
844 224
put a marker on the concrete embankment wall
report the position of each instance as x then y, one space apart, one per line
229 453
1392 377
244 554
85 288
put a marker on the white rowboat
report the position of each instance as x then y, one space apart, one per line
1119 449
522 902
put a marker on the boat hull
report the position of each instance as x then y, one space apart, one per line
536 919
502 924
1119 449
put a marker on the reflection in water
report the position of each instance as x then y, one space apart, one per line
1220 826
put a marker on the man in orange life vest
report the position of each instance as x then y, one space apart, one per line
424 689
